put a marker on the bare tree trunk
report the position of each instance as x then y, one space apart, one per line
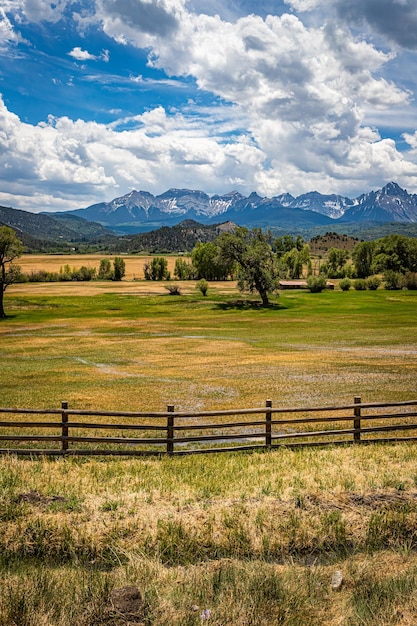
264 296
2 313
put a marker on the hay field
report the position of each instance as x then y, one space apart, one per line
53 262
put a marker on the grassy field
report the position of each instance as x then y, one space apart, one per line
54 262
239 539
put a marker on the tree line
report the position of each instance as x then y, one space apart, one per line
66 273
258 261
254 258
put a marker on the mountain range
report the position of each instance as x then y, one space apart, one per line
140 211
181 217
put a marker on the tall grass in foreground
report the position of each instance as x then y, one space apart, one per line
228 539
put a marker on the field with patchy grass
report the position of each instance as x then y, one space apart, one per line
250 539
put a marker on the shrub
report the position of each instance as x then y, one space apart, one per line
345 284
84 273
360 284
373 283
202 285
42 276
316 283
174 290
393 280
65 273
410 280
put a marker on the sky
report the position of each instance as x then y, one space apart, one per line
100 97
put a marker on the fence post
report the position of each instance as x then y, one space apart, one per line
268 429
170 429
357 420
64 420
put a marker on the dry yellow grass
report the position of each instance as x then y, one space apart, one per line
52 263
210 533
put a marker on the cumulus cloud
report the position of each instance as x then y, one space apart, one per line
394 19
36 11
83 55
303 90
139 21
83 162
296 95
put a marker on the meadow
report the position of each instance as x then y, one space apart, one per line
244 538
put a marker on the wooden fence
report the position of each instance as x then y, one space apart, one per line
182 432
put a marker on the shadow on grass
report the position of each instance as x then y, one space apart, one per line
249 305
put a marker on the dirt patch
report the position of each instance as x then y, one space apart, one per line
125 606
34 497
376 500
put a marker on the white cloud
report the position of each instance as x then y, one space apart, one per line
83 55
80 163
36 11
394 19
303 91
8 34
302 94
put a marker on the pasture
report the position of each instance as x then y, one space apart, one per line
228 539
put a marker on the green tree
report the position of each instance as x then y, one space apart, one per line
253 255
105 271
157 269
395 252
291 263
10 249
286 243
208 262
336 259
362 257
119 268
184 270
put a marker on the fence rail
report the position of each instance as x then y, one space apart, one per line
183 432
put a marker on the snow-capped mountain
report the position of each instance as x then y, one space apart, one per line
389 204
140 210
332 205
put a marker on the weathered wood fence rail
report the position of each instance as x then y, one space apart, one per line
182 432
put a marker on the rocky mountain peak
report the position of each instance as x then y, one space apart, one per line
389 204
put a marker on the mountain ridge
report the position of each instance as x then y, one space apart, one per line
140 211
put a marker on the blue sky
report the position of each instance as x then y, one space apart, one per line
101 97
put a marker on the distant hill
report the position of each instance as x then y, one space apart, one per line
43 232
321 244
180 238
81 228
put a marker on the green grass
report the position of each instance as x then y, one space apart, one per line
139 352
254 538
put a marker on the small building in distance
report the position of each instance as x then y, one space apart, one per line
299 284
